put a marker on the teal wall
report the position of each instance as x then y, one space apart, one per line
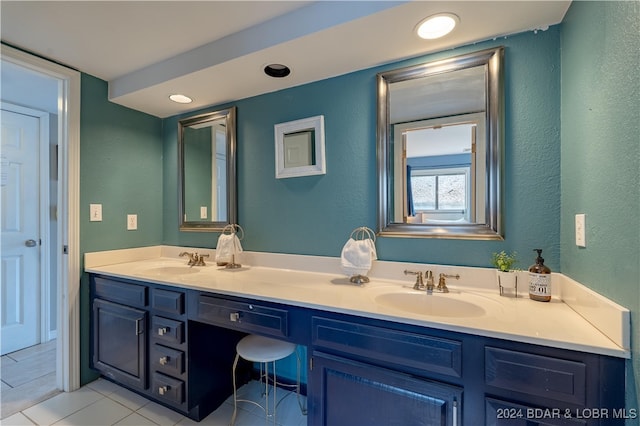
315 215
601 155
120 168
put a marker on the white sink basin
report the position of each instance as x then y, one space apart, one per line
440 305
172 270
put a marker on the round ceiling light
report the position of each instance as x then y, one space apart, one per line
181 99
437 26
277 70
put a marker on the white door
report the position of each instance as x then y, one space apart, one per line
20 266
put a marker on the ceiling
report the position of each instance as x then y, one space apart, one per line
214 51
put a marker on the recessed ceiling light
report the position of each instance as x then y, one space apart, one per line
437 26
277 70
181 99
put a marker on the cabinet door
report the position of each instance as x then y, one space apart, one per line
346 392
119 343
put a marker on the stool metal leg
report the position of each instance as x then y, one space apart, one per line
303 409
235 391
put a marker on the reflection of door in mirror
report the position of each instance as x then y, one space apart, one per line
438 144
437 174
205 173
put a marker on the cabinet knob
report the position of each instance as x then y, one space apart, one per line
234 317
164 360
163 330
163 389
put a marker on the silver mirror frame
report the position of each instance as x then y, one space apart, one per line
493 229
229 114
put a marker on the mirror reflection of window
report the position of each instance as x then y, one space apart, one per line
436 169
438 163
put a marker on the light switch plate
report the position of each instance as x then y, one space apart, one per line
581 240
132 222
95 212
203 212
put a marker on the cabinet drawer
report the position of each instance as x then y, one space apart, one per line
167 388
168 301
553 378
400 348
243 316
168 360
167 330
121 292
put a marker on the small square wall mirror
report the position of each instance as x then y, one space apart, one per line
300 148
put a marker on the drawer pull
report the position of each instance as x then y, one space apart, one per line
234 317
163 389
164 360
163 330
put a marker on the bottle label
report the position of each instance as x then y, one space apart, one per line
539 284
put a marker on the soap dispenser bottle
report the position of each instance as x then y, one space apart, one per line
539 280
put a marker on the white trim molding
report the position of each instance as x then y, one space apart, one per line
68 335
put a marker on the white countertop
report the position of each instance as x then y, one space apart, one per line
555 324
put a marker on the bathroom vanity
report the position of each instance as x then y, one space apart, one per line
169 334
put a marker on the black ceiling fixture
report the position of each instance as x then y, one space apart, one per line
277 70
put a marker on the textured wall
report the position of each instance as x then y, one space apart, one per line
120 168
315 215
601 155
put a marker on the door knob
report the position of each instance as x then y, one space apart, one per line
30 243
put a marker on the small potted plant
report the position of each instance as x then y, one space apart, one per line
506 272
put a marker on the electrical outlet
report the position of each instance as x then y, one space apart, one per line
581 240
95 212
203 212
132 222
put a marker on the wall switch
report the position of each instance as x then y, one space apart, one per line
203 212
132 222
581 240
95 212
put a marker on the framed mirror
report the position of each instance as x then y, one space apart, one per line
207 171
439 148
299 148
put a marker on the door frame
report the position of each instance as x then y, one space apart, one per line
68 250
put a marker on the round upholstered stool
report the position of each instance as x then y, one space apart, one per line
265 351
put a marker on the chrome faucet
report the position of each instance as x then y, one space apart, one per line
420 285
194 258
442 285
429 286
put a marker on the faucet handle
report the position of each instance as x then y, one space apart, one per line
442 284
419 285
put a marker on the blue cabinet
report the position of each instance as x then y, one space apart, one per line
176 347
120 342
351 393
142 339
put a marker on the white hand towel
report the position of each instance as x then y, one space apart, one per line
228 246
357 256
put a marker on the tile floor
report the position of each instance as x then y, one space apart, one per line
28 377
104 403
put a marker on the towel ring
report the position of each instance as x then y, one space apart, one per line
363 233
232 228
